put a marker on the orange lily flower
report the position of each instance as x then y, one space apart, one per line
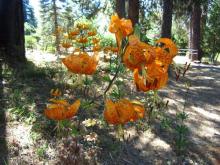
96 48
122 111
138 54
74 32
61 109
155 78
168 44
166 50
92 33
110 114
95 40
121 28
66 45
81 63
82 40
139 110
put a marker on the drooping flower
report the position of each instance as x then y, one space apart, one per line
138 54
92 33
66 45
156 77
81 63
169 45
122 111
125 110
139 110
74 32
96 48
121 28
61 109
110 114
82 40
95 40
165 51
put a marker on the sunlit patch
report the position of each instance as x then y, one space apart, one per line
206 114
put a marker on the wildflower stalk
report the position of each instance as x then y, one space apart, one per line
120 131
86 89
58 127
119 59
112 81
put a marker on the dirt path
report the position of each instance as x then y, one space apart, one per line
156 146
203 108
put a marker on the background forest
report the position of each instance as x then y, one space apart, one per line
194 24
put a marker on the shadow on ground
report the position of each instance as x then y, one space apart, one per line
153 146
25 93
203 107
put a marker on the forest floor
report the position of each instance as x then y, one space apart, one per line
26 137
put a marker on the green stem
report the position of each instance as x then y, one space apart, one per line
86 87
120 131
112 81
119 60
59 128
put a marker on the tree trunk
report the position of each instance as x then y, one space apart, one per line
133 11
167 18
120 8
3 141
12 31
196 30
204 16
190 34
57 39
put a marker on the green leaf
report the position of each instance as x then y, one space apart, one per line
74 131
106 78
137 30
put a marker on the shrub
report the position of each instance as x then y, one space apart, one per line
30 42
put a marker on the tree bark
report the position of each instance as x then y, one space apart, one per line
12 31
57 39
196 30
167 18
3 141
120 8
133 11
204 17
190 34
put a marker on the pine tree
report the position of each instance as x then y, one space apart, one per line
88 8
50 20
29 16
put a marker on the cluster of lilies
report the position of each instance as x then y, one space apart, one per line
80 62
60 109
148 63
